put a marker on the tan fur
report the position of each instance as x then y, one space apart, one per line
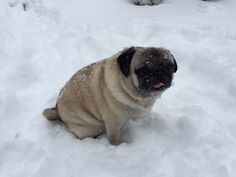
99 99
50 114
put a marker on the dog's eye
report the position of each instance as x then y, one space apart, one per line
149 64
144 71
147 71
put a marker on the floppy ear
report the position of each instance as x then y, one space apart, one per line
176 66
175 63
124 60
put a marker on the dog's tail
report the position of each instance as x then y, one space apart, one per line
51 113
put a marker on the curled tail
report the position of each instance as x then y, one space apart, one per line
51 113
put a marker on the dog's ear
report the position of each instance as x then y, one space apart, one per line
176 66
124 60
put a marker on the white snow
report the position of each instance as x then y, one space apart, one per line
192 132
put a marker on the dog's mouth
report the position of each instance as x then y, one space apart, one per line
159 85
154 81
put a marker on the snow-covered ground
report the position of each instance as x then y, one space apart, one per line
192 132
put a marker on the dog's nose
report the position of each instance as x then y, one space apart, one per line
159 73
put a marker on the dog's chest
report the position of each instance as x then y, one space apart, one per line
135 113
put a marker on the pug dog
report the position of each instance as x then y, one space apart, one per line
102 97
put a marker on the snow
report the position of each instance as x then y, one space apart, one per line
192 131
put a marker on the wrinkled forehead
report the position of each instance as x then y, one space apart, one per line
155 55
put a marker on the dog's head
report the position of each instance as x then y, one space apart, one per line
149 69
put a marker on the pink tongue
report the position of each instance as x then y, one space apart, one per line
158 85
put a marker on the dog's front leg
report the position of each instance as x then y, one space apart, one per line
113 131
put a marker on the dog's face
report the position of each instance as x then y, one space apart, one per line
150 70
